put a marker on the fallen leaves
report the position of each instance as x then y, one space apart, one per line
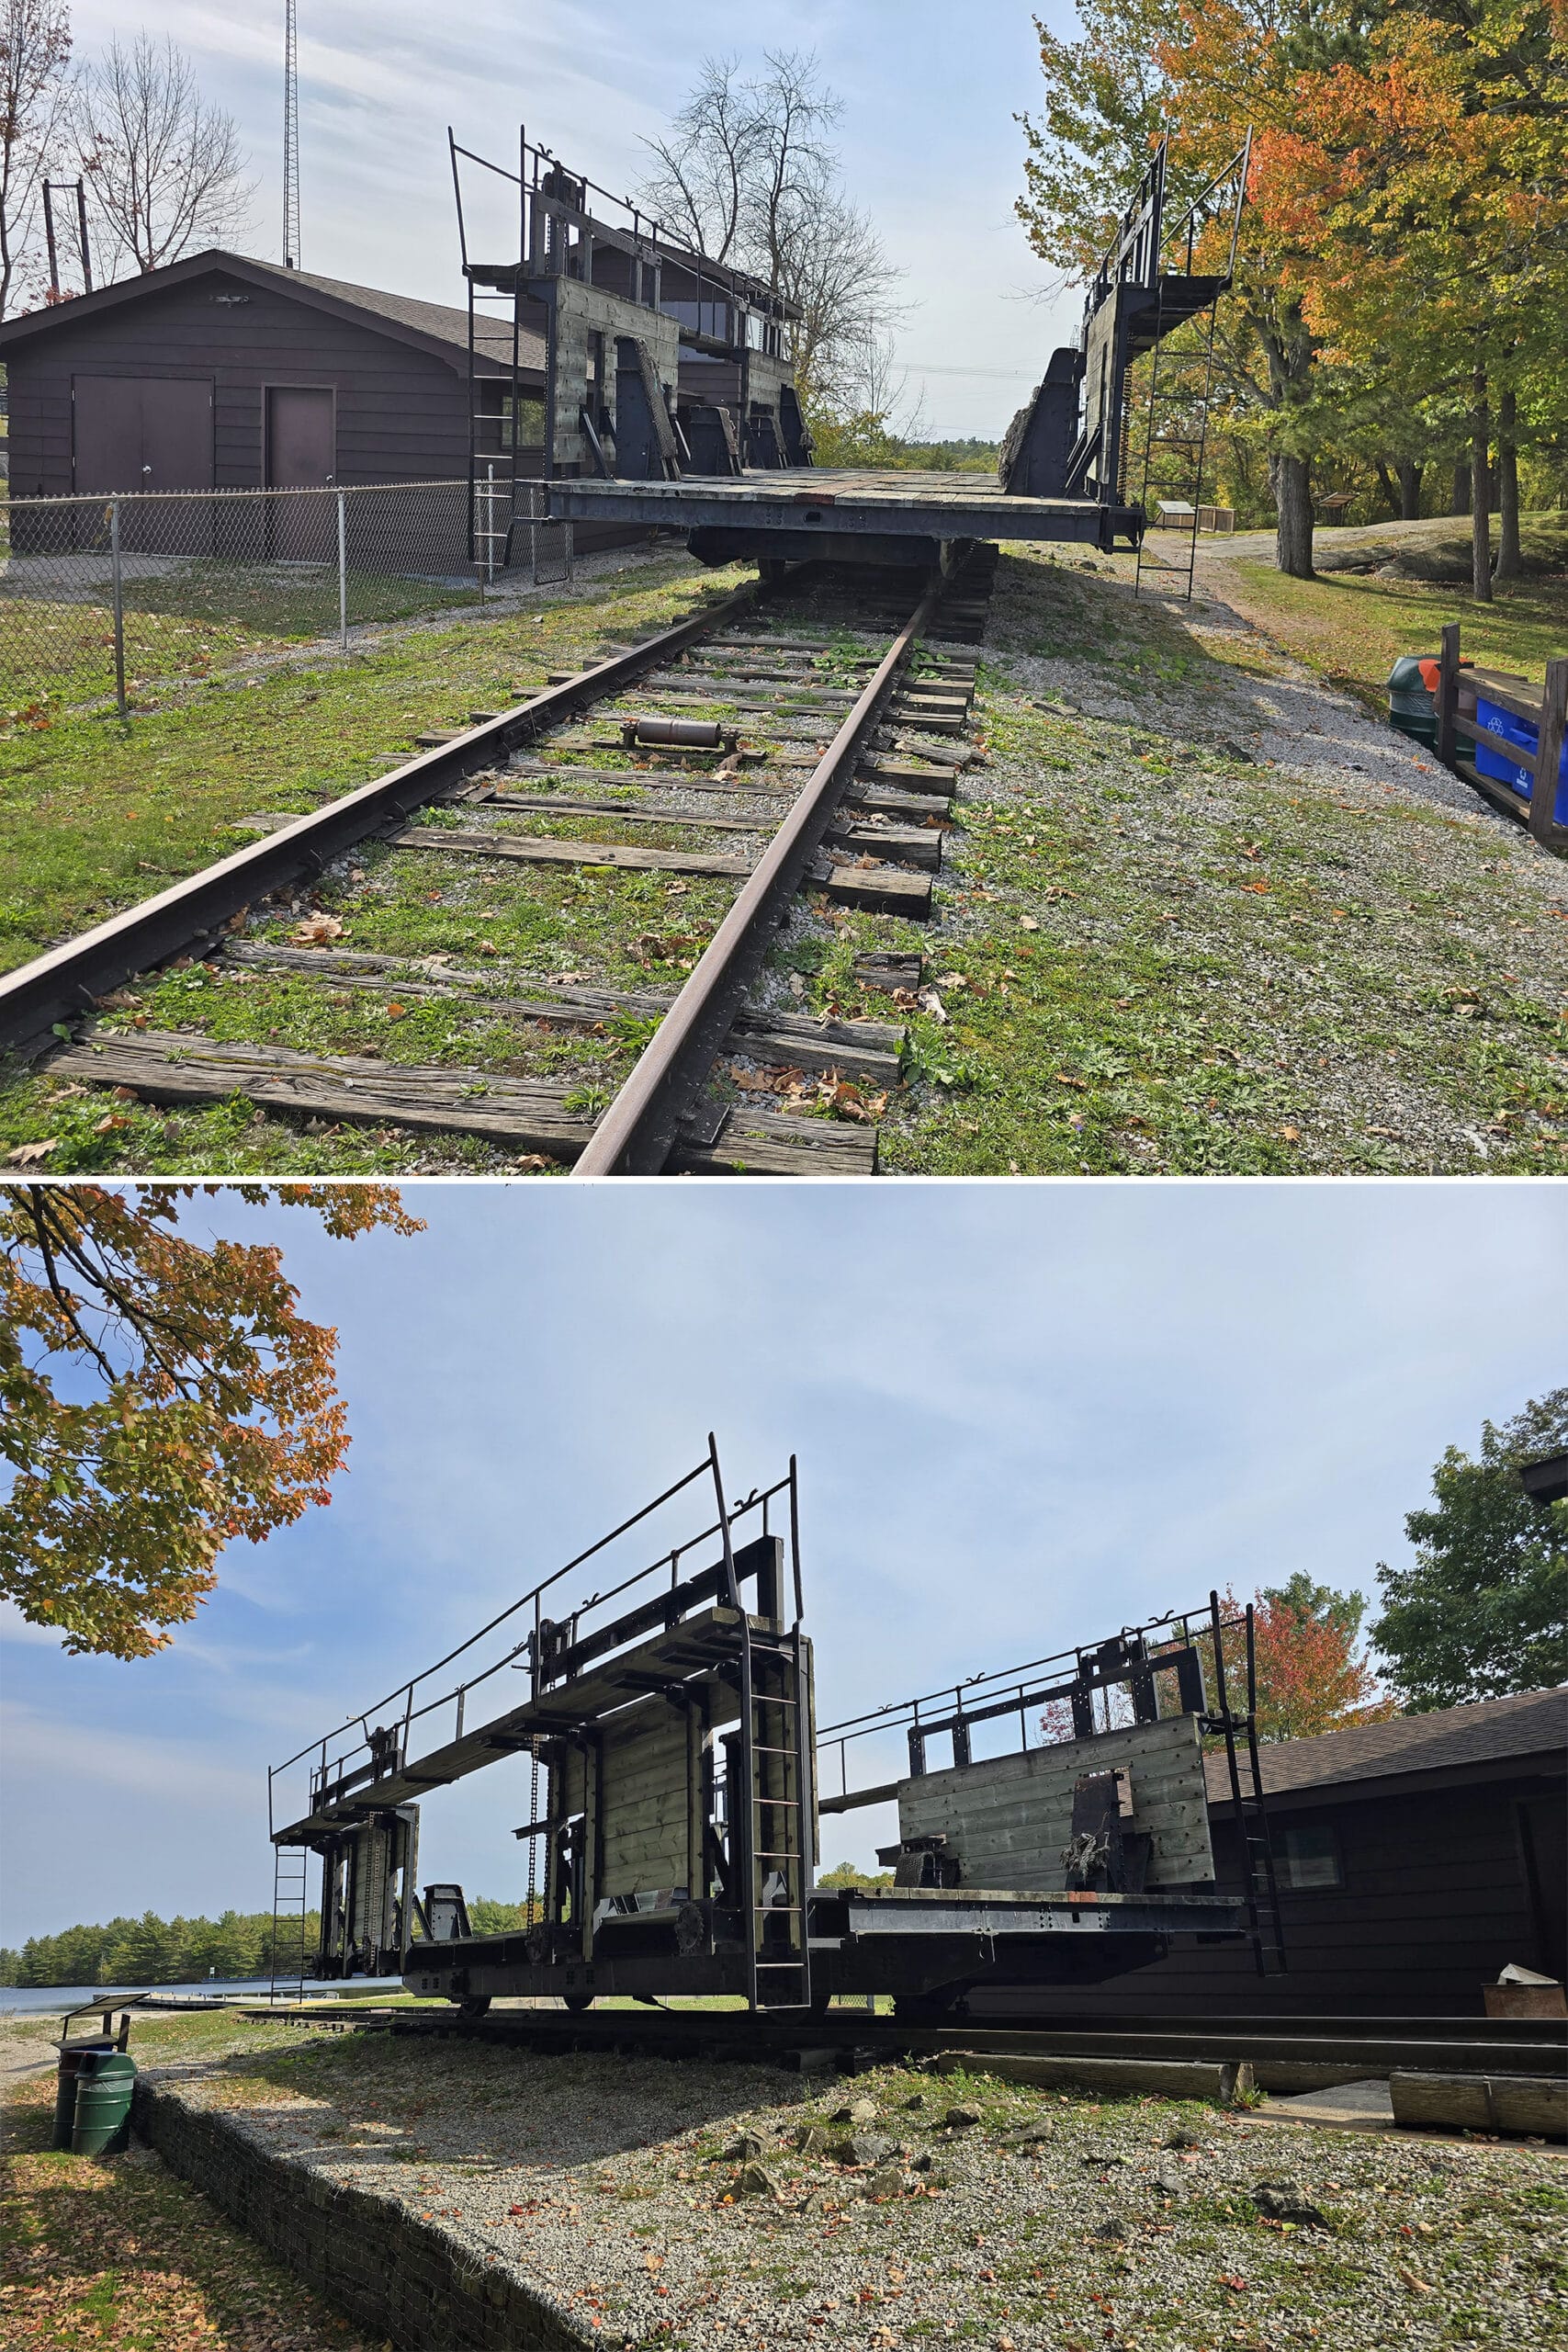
32 1155
317 931
840 1097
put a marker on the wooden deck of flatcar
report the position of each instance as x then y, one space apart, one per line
849 503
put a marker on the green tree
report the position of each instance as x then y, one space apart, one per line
847 1874
1302 1598
1484 1609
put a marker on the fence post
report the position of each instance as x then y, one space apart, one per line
341 571
1447 692
570 530
118 607
1548 752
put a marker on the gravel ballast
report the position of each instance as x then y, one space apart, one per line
646 2202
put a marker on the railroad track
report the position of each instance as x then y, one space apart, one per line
1297 2045
797 735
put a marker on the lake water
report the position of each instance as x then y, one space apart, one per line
29 2000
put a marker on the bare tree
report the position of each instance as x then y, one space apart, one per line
165 170
748 175
834 267
35 56
702 171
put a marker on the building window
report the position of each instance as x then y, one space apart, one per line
1306 1856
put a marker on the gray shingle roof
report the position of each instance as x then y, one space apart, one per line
437 323
441 320
1534 1723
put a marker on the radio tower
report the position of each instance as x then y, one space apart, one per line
291 139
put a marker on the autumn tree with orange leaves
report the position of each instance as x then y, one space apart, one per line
1208 71
1402 273
1310 1676
160 1397
1420 191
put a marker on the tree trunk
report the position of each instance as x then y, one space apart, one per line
1510 562
1409 474
1481 489
1459 502
1293 497
1386 482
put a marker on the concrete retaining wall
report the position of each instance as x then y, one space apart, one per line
364 2255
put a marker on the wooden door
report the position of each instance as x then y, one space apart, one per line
302 454
108 451
147 433
1543 1823
176 433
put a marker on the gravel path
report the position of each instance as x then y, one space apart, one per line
663 2204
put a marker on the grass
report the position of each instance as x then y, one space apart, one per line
1154 956
1351 629
1152 953
120 2251
97 814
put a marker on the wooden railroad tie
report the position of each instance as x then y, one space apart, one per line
522 1115
862 1049
880 887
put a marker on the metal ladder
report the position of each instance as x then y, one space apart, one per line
1175 448
776 1765
1181 380
290 1903
1259 1881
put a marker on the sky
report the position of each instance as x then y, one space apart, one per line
931 151
1025 1416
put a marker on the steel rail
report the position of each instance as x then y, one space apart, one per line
1293 2039
40 998
637 1131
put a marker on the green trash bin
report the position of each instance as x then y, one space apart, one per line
1412 705
105 2081
73 2057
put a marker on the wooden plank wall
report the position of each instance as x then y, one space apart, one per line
649 1770
1435 1902
1008 1819
401 412
643 1803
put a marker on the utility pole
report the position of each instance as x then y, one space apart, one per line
52 188
290 139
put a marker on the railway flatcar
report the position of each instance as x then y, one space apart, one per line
668 1735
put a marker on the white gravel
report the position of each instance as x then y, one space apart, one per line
614 2186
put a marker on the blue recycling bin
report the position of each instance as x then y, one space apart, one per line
1503 770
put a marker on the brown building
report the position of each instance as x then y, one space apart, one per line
1415 1858
223 373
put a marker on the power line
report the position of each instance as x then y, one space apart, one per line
999 374
290 139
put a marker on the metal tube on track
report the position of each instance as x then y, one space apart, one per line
61 986
636 1133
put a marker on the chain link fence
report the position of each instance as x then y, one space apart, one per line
107 599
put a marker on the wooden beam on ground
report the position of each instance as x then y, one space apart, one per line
523 850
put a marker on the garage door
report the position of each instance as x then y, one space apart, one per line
148 433
143 432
